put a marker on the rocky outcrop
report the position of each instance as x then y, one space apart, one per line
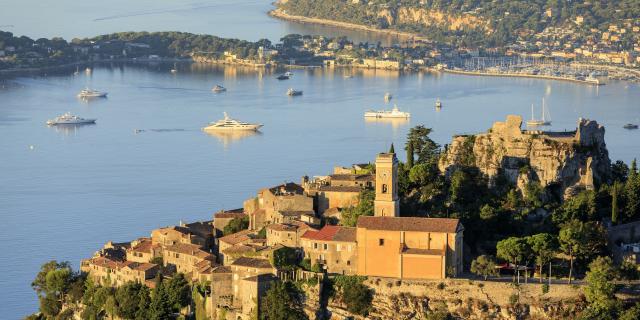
427 17
466 299
562 161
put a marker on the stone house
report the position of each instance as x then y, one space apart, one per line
107 272
286 234
352 180
199 233
333 247
288 216
187 258
409 248
143 250
286 197
221 219
253 289
337 197
245 267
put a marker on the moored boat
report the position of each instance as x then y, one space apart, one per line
293 93
630 126
218 88
283 77
90 93
393 113
438 103
228 124
68 118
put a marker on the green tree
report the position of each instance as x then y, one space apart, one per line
514 250
283 301
600 288
544 247
284 258
581 240
364 208
178 291
160 308
484 266
410 154
632 313
632 193
428 151
39 284
236 225
392 149
358 298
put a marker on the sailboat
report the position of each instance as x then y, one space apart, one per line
539 122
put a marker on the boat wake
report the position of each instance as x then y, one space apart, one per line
187 7
159 130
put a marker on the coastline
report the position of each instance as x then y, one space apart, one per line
280 14
516 75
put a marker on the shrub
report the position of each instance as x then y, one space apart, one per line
513 299
545 288
441 286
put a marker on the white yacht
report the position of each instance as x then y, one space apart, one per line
292 92
231 124
539 122
394 113
68 118
438 103
90 93
218 88
594 79
288 74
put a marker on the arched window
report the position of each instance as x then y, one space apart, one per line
384 188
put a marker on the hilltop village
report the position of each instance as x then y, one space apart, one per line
393 240
240 265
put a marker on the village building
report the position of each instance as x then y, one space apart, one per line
222 218
286 197
107 272
288 216
405 247
189 259
333 247
143 250
199 233
337 197
242 269
286 234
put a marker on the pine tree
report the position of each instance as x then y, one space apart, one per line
160 307
392 150
632 192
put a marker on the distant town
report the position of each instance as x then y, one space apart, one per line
593 63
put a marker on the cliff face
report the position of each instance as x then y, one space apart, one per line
466 299
428 17
567 161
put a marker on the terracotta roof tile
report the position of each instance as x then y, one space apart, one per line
237 237
409 224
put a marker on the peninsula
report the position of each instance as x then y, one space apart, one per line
505 224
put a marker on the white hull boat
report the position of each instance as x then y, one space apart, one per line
394 113
69 119
228 124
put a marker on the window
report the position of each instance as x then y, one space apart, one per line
381 242
384 188
326 246
338 247
348 262
315 245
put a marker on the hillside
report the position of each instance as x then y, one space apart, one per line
472 22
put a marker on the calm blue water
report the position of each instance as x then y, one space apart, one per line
244 19
79 188
63 193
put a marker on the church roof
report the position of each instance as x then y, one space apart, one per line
409 224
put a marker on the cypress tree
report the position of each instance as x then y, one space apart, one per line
409 155
392 150
614 203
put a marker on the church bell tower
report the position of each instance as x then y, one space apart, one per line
386 203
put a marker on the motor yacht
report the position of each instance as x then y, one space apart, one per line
68 118
231 124
630 126
90 93
393 113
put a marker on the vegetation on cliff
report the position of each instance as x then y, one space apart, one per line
505 20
